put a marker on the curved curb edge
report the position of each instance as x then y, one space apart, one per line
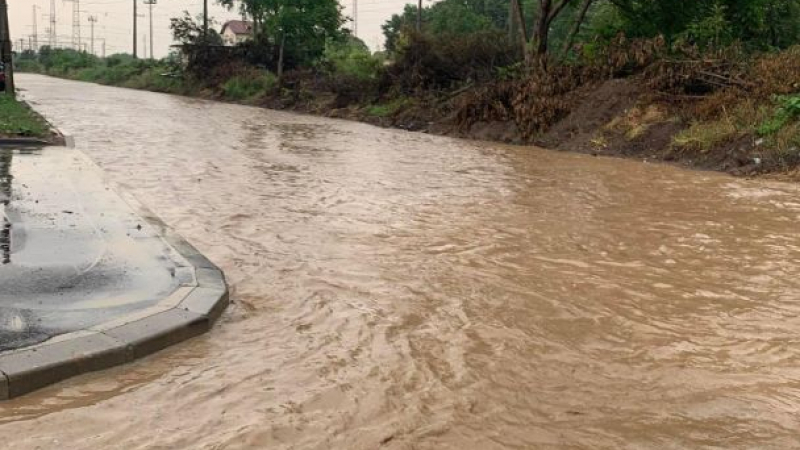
187 312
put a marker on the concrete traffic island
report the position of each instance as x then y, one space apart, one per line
88 279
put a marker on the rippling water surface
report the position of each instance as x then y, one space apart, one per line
401 291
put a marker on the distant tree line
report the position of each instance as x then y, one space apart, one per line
541 25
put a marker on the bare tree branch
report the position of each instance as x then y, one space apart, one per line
576 27
554 12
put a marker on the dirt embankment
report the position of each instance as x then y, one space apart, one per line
610 118
621 117
723 109
617 117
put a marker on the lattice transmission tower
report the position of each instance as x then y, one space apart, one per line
76 24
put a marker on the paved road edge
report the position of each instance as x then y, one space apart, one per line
189 311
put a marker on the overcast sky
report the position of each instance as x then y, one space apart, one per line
114 21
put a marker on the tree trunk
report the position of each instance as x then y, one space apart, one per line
280 58
5 50
548 11
773 32
512 21
576 27
519 16
542 28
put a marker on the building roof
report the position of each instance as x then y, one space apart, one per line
238 27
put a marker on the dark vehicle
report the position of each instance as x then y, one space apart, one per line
2 77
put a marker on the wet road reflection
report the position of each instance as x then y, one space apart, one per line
73 253
401 291
5 200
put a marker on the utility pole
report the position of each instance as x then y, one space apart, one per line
150 4
355 18
5 49
419 17
205 22
104 49
92 21
35 40
76 23
144 46
135 21
53 34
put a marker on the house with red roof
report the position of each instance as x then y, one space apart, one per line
236 31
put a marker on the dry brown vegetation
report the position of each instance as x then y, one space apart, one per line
712 106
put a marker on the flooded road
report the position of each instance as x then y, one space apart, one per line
401 291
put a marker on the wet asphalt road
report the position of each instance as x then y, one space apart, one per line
74 254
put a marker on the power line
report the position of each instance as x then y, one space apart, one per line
92 21
53 35
150 4
355 18
135 21
35 42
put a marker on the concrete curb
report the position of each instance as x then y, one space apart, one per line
188 312
25 142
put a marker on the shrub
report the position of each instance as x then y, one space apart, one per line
777 73
784 147
159 79
249 85
63 61
30 66
446 61
787 111
703 136
352 59
388 109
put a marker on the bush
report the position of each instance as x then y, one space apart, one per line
30 66
704 136
63 61
388 109
787 111
249 85
353 59
777 73
158 79
443 62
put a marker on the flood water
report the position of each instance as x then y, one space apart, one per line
395 290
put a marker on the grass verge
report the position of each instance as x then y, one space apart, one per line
18 120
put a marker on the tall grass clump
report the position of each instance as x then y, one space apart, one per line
249 85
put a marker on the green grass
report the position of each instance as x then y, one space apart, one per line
249 86
704 136
774 128
787 111
17 120
388 109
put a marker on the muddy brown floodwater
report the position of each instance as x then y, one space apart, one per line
401 291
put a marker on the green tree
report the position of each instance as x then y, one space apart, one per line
549 20
296 29
451 17
756 23
187 31
351 57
